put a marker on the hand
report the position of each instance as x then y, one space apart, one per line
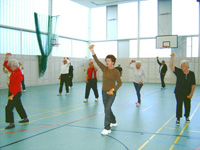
8 54
59 78
189 96
157 57
68 58
132 61
86 81
173 54
11 97
91 47
140 82
110 92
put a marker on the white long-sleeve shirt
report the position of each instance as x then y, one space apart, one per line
138 74
65 68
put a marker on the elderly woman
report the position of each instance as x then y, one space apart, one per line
185 86
14 98
109 88
138 78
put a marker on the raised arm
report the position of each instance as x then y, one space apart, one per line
158 61
100 64
172 62
6 62
129 65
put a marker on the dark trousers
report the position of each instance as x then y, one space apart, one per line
70 81
92 83
137 89
109 116
17 104
162 80
180 99
64 79
23 84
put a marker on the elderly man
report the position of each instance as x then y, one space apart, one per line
15 92
185 86
64 76
162 70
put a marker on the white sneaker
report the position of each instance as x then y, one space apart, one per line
137 104
24 90
96 99
66 94
113 125
85 101
105 132
69 87
58 94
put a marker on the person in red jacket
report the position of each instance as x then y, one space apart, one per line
15 92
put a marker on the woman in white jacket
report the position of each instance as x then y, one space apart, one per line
138 78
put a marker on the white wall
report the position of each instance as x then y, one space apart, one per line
31 74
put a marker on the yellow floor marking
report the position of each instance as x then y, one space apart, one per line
156 133
177 139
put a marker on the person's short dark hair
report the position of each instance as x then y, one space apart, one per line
112 57
163 61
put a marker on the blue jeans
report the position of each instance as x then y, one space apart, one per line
109 116
138 88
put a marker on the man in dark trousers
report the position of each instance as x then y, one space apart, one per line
71 69
162 70
91 82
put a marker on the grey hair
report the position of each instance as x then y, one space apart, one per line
13 63
138 62
186 62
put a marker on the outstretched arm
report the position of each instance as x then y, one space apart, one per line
172 62
100 64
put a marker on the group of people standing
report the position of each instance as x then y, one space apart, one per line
185 86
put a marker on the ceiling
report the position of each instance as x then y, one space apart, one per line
99 3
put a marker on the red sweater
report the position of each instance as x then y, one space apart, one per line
91 73
16 78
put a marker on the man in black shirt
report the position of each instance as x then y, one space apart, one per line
162 70
119 68
185 86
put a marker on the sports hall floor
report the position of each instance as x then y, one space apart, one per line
66 123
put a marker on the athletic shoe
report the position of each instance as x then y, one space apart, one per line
69 87
105 132
24 90
113 124
177 122
137 104
24 121
187 119
10 126
66 94
58 94
85 101
96 99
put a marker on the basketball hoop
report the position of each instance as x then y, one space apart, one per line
55 40
165 46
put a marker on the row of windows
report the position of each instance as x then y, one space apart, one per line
25 43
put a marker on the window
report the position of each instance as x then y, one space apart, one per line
148 49
30 44
192 47
148 18
128 20
20 13
64 49
185 17
73 19
10 41
79 49
98 23
133 51
102 49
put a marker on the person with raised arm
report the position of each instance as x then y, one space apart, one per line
15 92
111 76
138 78
185 86
162 71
